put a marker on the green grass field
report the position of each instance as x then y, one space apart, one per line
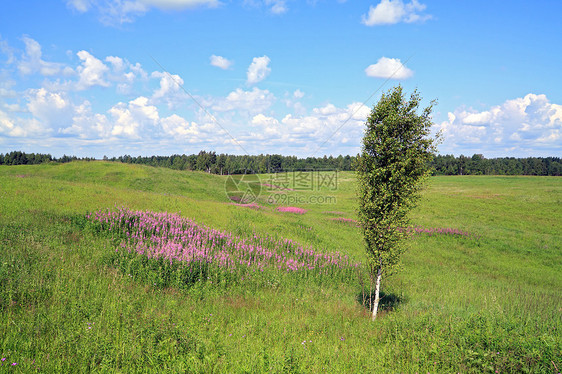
487 302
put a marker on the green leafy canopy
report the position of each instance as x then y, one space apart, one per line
393 165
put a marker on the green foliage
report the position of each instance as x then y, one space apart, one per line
391 169
479 165
231 164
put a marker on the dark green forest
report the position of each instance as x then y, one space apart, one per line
235 164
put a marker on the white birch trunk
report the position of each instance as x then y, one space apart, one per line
377 291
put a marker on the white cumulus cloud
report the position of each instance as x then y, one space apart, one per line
269 125
169 84
175 125
46 109
298 94
389 68
530 125
138 120
253 101
88 125
25 128
324 129
129 119
277 6
179 4
113 12
51 108
393 11
220 62
79 5
91 72
32 61
258 70
8 127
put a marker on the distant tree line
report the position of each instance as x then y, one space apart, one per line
442 165
22 158
232 164
479 165
223 164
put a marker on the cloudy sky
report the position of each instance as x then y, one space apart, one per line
144 77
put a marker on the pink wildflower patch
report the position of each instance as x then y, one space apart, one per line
175 238
251 206
291 209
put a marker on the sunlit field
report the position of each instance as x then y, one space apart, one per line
109 267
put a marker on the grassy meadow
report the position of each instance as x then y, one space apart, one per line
484 298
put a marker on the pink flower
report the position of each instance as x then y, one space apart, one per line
291 209
177 239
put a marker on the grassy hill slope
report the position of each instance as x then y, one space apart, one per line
487 301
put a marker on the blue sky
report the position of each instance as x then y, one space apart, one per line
103 77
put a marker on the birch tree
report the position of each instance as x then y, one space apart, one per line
391 170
